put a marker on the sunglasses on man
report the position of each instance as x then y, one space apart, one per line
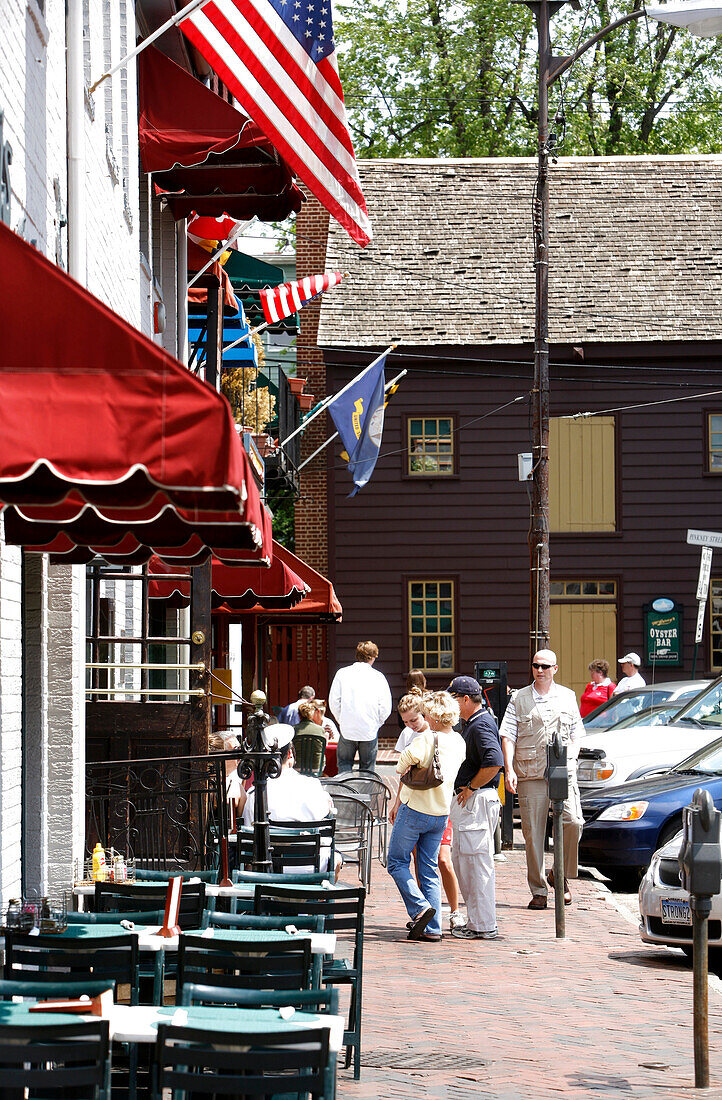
537 665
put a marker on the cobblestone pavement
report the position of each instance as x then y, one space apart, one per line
598 1014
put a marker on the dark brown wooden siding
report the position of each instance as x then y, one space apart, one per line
474 526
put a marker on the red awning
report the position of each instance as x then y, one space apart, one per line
321 604
321 600
180 121
248 181
106 439
234 588
197 260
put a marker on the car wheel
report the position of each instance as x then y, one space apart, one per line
625 880
670 829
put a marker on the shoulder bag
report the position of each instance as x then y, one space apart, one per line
425 778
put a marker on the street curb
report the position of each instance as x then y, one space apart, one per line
713 981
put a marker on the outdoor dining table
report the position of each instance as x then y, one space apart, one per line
139 1023
322 943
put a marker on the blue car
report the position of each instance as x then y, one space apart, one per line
624 826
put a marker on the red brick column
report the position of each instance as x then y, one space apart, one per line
312 509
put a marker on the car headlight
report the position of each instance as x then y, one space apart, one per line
595 771
624 811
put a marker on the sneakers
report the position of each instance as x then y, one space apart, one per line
470 934
457 920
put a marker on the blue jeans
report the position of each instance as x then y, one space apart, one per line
423 832
346 754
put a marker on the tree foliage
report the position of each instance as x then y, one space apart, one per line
457 79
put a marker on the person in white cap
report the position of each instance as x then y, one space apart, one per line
291 796
630 663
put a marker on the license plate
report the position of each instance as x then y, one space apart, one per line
675 912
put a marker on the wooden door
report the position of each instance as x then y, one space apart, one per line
580 632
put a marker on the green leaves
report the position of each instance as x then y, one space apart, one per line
440 79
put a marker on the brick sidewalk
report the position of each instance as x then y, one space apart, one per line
527 1015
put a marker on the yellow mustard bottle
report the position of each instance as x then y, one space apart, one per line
98 863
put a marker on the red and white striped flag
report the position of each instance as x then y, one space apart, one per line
281 301
278 58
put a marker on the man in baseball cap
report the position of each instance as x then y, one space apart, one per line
630 663
475 812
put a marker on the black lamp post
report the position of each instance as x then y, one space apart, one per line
262 760
550 69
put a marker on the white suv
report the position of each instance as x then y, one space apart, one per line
658 737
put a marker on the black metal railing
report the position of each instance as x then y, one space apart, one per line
167 813
284 462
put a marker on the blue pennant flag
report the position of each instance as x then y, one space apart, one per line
359 418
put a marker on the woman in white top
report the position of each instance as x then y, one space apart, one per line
419 817
412 716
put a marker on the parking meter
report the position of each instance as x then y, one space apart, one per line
557 770
558 786
700 859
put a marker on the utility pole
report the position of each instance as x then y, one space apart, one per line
539 527
550 68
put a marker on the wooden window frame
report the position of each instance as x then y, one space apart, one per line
716 669
406 457
706 468
433 673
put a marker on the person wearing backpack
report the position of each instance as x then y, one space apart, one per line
428 768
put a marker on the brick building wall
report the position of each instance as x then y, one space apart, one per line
312 508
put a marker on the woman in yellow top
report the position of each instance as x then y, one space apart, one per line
419 817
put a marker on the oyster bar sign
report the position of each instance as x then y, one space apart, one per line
663 632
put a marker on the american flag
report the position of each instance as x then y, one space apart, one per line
281 301
278 59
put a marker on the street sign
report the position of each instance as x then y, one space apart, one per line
700 622
705 568
704 538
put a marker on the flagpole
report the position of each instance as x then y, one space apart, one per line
335 396
219 252
331 438
252 332
194 5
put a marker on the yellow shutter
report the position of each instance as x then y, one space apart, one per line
582 493
581 632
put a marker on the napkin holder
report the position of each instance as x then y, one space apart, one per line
170 927
85 1006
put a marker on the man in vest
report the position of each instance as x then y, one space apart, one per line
531 720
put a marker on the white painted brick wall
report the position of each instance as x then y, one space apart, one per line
33 99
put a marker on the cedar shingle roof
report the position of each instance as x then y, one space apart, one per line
636 253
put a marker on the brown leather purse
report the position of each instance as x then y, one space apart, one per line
425 778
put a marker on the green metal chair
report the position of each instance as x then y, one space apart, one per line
275 1065
310 752
49 959
121 898
343 911
281 963
56 1060
305 1000
213 919
144 874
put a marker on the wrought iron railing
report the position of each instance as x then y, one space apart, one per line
168 812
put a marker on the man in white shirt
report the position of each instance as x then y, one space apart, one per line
533 717
360 698
291 796
631 679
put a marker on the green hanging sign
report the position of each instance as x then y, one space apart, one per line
663 639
